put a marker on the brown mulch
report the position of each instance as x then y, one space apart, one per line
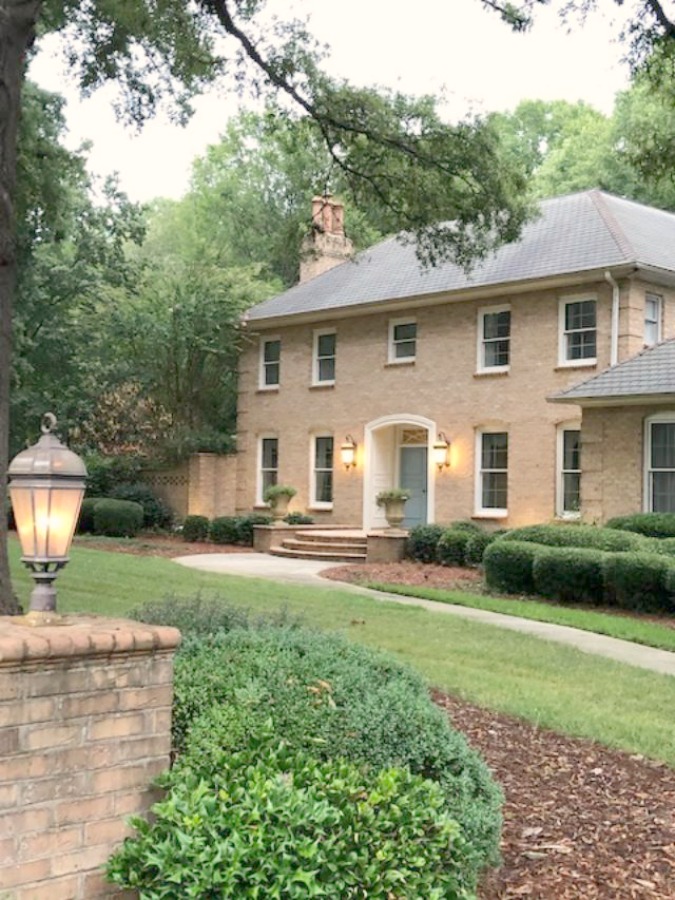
414 573
580 820
167 545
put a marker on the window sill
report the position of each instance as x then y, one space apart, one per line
271 389
576 364
497 371
320 507
322 386
567 517
262 506
400 362
491 514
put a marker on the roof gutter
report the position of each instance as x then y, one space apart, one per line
614 333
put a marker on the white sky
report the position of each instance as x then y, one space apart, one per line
455 45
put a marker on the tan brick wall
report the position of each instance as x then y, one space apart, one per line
203 486
632 315
85 717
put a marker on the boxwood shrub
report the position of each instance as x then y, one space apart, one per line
508 565
333 699
236 529
451 548
85 522
477 545
271 821
639 581
422 542
195 528
657 525
589 536
156 514
118 518
570 575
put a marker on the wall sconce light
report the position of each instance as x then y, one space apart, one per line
348 452
46 486
441 452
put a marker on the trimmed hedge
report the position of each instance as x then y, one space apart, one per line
589 536
236 529
451 548
656 525
639 581
156 514
296 518
570 575
195 528
85 522
422 542
477 545
118 518
508 565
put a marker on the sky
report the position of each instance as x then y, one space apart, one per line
454 46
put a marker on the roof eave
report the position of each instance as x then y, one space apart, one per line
616 400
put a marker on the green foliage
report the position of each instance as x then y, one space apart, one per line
639 581
275 491
477 545
118 518
156 514
656 525
589 536
274 822
195 528
422 542
85 522
508 565
333 699
296 518
466 525
392 494
570 575
236 529
105 473
451 549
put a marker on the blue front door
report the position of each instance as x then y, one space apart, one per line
414 479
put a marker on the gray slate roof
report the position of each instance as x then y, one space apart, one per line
576 233
650 373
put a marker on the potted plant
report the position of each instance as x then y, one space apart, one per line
279 496
393 501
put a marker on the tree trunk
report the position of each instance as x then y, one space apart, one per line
17 30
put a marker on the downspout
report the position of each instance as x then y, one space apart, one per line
614 332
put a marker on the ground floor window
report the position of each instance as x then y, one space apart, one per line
492 480
268 473
322 471
660 460
569 471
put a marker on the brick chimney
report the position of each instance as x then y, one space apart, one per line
326 245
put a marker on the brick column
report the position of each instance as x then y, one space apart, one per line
85 719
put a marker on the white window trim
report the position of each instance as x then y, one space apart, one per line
574 425
259 500
479 510
480 344
316 381
392 359
261 363
666 418
318 504
563 362
650 295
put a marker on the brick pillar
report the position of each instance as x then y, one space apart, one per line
85 719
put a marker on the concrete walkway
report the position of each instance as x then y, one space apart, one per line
301 571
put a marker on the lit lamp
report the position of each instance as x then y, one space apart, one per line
441 452
46 486
348 452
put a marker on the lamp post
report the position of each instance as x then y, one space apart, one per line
46 486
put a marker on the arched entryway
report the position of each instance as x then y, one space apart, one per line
398 454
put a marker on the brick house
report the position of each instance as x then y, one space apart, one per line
442 380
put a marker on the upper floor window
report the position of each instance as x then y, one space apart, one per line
402 340
322 471
492 472
325 343
494 347
578 331
653 314
569 472
270 363
268 469
660 465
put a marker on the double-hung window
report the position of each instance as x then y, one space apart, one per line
322 471
402 340
569 472
268 468
270 363
325 346
653 313
494 344
492 473
660 464
578 331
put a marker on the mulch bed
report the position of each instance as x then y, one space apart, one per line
580 820
419 574
166 545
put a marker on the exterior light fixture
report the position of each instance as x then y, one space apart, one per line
46 486
348 452
441 452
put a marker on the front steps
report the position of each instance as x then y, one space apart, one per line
344 545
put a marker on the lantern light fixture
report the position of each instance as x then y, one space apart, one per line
441 452
46 487
348 452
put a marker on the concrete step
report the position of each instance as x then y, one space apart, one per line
336 555
344 536
324 546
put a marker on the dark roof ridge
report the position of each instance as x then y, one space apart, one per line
626 248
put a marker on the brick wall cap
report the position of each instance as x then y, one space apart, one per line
84 635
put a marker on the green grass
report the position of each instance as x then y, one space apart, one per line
628 628
550 684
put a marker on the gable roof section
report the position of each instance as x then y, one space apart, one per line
577 233
650 374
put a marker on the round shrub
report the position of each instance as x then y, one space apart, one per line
508 565
657 525
275 822
118 518
638 581
570 575
296 518
422 542
245 527
195 528
476 547
335 700
156 514
465 525
223 530
85 522
666 546
452 547
589 536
